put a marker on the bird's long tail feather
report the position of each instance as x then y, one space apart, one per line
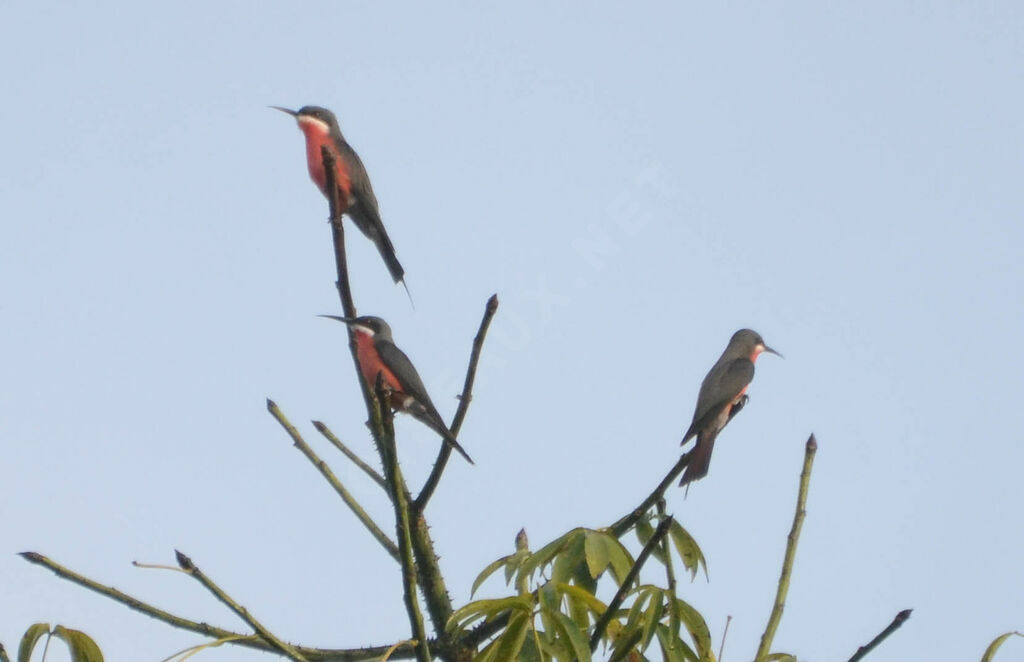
700 460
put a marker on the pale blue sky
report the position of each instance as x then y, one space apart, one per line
635 183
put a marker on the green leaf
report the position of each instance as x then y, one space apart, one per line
532 650
511 641
487 572
570 560
545 554
83 648
621 560
644 533
990 652
29 639
574 635
598 556
654 613
637 608
697 628
583 596
674 648
549 596
625 644
688 549
488 609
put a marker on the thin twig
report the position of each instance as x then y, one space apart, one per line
347 452
393 477
625 523
791 543
721 646
188 566
326 472
620 595
430 485
900 619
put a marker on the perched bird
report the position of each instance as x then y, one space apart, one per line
377 354
722 395
355 195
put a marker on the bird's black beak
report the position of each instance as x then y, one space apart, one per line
772 351
293 113
343 320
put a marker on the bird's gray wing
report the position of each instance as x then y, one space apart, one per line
719 389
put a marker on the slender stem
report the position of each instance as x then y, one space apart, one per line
326 472
347 452
620 595
460 413
900 619
188 566
791 543
626 522
721 646
393 477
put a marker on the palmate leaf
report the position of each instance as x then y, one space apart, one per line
29 639
547 553
571 559
673 648
512 640
585 597
990 652
653 616
488 609
697 628
83 648
573 635
487 572
598 556
688 549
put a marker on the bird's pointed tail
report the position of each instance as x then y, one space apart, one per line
438 426
700 460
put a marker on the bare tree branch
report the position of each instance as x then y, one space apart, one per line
787 563
625 523
900 619
188 566
204 629
326 472
420 504
347 452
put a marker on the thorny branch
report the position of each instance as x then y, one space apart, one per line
326 472
189 567
420 504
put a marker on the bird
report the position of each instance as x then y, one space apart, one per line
355 194
722 396
378 355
